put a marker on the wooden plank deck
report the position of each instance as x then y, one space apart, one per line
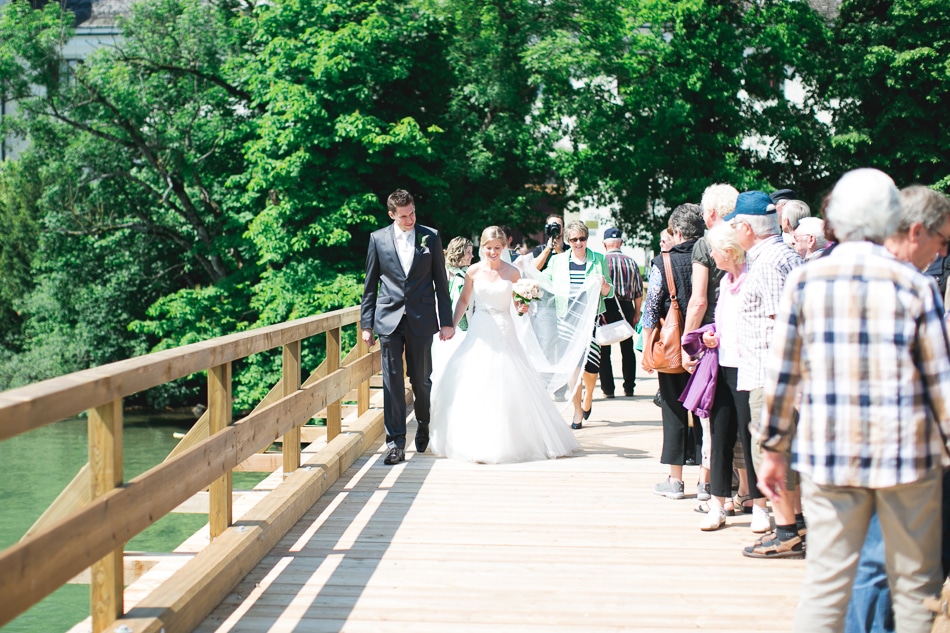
577 544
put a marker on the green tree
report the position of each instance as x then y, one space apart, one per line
20 188
890 80
137 146
660 99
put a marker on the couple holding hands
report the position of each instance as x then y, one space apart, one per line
492 402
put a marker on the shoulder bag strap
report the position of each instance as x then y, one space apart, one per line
671 285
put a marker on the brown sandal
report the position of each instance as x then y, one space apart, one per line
739 501
776 548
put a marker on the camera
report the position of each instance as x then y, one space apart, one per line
552 230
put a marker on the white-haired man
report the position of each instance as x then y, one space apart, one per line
793 212
809 238
769 262
718 201
861 335
918 240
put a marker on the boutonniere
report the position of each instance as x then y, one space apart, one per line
423 241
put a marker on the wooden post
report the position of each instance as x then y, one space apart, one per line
105 461
362 397
334 416
291 383
219 410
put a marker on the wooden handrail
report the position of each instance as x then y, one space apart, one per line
33 406
96 533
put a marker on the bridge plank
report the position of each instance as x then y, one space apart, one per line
575 544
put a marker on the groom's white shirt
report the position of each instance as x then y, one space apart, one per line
405 246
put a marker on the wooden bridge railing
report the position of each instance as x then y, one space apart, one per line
89 528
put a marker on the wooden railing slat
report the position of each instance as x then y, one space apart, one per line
38 565
219 418
105 461
36 405
290 383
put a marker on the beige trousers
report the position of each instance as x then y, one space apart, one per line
757 410
838 518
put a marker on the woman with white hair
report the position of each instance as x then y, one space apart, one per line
730 413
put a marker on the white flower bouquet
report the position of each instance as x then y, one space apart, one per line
525 291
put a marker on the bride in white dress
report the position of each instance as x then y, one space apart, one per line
488 404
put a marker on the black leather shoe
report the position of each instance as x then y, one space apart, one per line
395 456
609 396
577 425
422 437
587 413
628 394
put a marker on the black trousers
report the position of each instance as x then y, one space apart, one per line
628 357
729 418
418 351
678 442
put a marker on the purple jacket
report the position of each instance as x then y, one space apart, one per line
700 392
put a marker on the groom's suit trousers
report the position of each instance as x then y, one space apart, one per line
418 351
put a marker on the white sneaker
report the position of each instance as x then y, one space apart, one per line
713 520
760 520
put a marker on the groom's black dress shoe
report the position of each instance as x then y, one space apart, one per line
422 437
395 456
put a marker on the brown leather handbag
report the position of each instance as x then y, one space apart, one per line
663 349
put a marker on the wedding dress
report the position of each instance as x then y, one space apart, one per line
489 404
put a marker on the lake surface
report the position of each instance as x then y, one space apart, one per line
36 466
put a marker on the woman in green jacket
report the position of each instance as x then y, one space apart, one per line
569 272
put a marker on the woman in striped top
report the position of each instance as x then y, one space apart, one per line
569 272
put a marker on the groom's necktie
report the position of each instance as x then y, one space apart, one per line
405 248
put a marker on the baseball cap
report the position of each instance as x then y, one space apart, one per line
782 194
752 203
612 233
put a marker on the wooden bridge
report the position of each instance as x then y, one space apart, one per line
336 541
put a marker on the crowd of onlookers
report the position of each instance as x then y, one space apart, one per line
817 377
814 387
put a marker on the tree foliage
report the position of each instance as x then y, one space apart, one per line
890 80
660 99
220 167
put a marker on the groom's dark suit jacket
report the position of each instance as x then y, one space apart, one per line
389 293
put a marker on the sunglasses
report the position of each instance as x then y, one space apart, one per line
577 239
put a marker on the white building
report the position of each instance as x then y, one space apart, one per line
95 27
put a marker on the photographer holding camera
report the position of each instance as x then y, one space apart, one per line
554 242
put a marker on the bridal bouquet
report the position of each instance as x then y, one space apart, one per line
525 291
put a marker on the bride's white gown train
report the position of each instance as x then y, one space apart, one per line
488 403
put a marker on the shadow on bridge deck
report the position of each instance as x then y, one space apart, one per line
575 544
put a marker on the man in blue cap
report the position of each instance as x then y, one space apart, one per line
769 262
628 293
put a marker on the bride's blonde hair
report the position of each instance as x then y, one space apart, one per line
493 233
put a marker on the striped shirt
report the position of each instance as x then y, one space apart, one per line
862 335
769 262
628 285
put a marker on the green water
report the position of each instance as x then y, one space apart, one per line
36 466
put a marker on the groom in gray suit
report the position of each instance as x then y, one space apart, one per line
405 285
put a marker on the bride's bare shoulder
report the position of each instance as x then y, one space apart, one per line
510 272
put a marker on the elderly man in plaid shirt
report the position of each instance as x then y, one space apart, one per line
769 262
862 336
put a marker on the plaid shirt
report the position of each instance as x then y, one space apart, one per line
769 263
862 334
628 285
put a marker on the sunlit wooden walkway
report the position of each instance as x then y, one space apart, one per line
578 544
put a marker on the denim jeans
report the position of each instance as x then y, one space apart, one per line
870 608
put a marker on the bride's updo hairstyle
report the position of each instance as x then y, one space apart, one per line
493 233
